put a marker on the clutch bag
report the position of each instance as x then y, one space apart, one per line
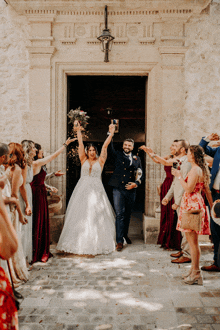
191 220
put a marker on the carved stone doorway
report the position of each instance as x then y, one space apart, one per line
126 95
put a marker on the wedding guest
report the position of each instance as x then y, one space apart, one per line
8 246
197 179
15 166
176 191
25 198
169 237
215 190
41 228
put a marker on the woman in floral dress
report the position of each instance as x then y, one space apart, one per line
196 181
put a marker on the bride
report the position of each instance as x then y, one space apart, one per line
89 226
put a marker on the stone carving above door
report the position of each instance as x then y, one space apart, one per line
116 7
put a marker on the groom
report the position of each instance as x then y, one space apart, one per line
126 178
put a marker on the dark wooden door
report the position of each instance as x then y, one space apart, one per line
126 96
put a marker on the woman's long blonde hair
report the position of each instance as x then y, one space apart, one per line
27 146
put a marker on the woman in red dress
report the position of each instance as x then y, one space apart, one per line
197 180
8 246
41 227
169 237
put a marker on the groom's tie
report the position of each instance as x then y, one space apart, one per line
129 157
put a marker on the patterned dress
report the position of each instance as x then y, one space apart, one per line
8 311
194 201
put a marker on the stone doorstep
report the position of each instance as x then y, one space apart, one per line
151 227
56 226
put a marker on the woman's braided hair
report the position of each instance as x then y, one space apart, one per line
199 158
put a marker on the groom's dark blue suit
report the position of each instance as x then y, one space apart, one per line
215 229
125 172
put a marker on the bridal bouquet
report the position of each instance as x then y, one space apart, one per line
78 115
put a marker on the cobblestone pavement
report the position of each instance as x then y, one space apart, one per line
136 289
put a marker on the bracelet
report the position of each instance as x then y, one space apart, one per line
155 155
179 177
65 145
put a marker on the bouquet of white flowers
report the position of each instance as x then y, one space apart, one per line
78 115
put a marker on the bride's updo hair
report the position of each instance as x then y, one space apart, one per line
91 145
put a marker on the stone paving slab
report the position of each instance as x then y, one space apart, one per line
137 289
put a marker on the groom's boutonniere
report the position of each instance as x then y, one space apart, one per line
135 157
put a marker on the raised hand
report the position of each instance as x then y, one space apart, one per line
59 173
148 150
69 140
213 137
111 129
77 127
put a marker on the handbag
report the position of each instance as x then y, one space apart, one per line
191 220
18 298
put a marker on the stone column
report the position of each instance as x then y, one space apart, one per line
40 53
165 123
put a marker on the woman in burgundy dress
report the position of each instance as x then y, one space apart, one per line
169 237
41 227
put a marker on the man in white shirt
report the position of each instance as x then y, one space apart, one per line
215 189
176 190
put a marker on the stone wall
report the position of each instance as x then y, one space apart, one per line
202 75
14 66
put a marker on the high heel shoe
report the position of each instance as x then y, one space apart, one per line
187 274
195 278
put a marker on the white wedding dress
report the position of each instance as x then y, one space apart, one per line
89 226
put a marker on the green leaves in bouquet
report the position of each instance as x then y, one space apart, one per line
79 115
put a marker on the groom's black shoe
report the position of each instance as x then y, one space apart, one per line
128 241
119 247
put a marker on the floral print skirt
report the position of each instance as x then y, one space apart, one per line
8 311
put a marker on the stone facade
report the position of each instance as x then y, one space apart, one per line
174 43
202 72
14 66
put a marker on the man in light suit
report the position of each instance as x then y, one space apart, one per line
215 190
176 190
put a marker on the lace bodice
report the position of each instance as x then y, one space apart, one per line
95 172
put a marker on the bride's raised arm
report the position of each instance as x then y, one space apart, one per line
103 155
81 149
